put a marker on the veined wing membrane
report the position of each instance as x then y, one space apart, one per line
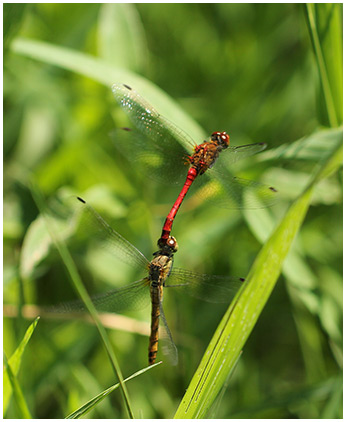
211 288
94 227
168 346
158 161
226 191
148 120
232 154
132 297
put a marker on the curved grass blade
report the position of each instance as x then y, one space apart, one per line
14 362
240 318
17 391
105 73
88 406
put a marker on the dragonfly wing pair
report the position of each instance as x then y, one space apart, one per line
161 149
210 288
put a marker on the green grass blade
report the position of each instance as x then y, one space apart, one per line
121 36
87 407
101 71
79 287
240 318
14 362
325 27
17 392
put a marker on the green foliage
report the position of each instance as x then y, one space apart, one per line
259 71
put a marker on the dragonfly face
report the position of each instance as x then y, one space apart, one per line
221 138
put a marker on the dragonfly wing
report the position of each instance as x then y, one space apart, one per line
226 191
167 165
233 154
148 121
168 346
211 288
132 297
92 226
220 187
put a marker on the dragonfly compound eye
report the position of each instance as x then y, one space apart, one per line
172 243
221 138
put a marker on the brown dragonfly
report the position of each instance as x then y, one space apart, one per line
160 274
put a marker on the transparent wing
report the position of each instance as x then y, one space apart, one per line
227 191
210 288
148 120
223 189
95 228
159 148
166 165
168 346
132 297
235 153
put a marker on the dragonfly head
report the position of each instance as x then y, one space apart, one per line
221 138
167 246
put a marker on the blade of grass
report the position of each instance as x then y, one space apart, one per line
17 391
14 361
88 406
326 38
121 36
79 287
240 318
107 74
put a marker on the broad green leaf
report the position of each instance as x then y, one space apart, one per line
36 245
240 318
14 362
87 407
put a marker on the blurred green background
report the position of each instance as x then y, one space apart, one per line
248 69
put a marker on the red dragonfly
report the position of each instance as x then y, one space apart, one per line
158 274
160 148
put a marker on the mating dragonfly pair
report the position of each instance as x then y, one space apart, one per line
156 146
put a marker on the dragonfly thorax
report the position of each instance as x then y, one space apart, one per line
160 268
207 153
205 156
